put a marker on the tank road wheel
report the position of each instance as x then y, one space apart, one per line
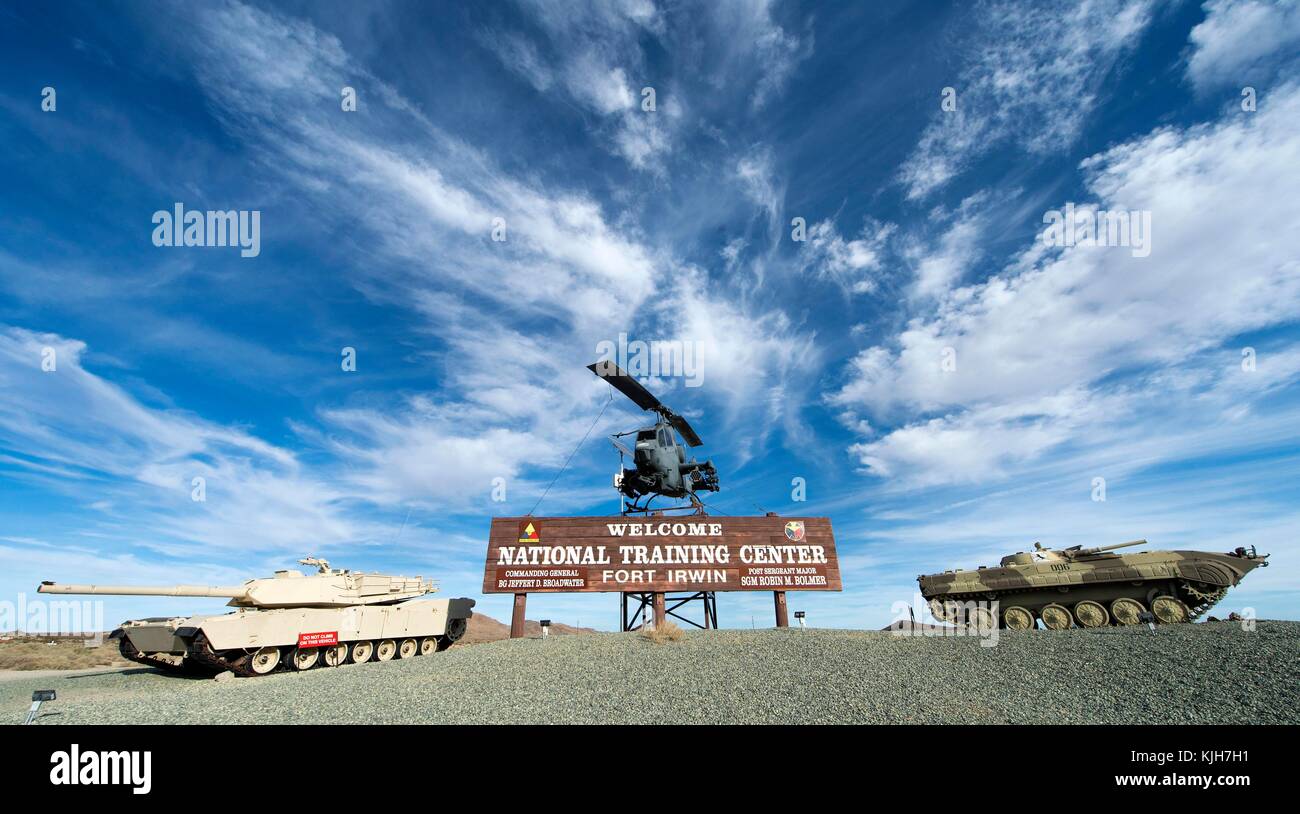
1017 618
1169 610
428 646
1056 617
334 656
385 650
1091 614
981 619
361 652
407 649
265 660
1126 611
304 658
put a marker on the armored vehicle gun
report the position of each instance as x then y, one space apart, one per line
291 621
1088 587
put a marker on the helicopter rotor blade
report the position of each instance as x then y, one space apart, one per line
687 432
625 384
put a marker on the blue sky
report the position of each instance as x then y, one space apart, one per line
948 386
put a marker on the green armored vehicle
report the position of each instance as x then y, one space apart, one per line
1088 587
291 621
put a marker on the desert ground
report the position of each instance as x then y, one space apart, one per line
1214 672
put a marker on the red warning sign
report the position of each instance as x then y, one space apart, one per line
318 639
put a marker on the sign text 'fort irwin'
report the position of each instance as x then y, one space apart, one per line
691 553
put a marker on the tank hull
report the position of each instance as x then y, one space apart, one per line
283 636
1156 581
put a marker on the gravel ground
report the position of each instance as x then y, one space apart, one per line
1204 673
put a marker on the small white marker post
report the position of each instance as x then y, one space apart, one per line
546 628
39 697
800 616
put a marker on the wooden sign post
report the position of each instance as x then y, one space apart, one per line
654 556
517 617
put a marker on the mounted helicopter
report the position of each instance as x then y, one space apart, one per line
662 468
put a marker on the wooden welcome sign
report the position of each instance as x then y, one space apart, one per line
660 554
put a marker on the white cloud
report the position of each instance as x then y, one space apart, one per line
980 444
428 204
751 43
1030 79
760 184
1062 320
592 53
73 420
572 275
432 201
114 433
593 57
602 87
521 402
852 264
942 262
432 459
1237 36
752 360
520 56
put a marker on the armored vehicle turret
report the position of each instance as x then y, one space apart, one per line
291 621
1088 587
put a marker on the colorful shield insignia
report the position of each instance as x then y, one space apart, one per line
528 532
794 531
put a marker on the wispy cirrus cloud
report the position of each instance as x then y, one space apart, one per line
598 56
591 55
566 268
58 417
1028 77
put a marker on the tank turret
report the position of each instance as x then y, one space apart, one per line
1041 554
327 588
291 621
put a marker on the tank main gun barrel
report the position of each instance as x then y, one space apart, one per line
1102 548
225 592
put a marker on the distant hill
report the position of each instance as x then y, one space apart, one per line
486 629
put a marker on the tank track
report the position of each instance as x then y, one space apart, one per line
202 655
131 653
1205 599
201 652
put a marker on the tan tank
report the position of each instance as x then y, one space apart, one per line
291 621
1088 587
